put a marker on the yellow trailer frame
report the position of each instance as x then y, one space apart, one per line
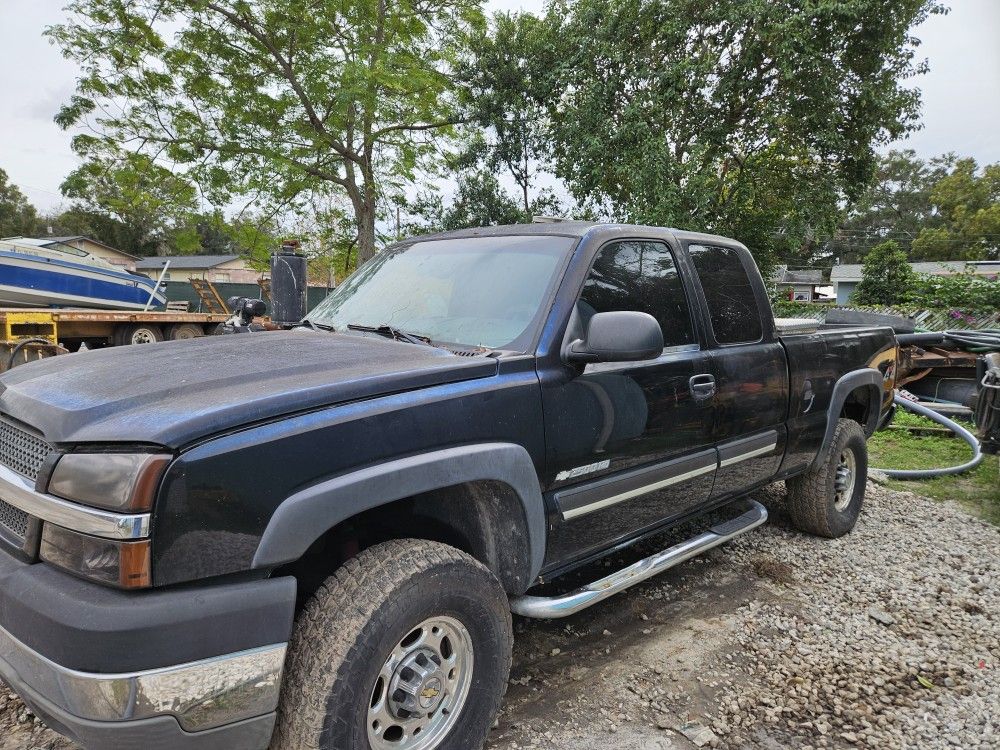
20 324
59 326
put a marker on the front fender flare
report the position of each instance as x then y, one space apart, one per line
305 516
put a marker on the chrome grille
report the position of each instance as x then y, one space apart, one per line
13 520
22 451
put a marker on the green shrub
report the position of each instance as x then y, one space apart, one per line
961 293
886 276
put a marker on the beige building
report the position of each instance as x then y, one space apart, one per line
219 269
98 249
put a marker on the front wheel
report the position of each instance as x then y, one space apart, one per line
827 499
406 647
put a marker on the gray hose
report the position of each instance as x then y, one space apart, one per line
977 455
987 339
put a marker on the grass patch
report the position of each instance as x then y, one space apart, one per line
978 490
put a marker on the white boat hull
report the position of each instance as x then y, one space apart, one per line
33 281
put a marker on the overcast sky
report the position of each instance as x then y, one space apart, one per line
961 92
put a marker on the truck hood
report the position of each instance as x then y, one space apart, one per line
175 392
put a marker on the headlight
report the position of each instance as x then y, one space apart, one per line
122 564
124 482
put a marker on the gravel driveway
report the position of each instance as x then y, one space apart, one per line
887 638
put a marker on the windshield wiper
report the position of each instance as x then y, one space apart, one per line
316 326
392 333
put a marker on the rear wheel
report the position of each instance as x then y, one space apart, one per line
827 499
182 331
406 647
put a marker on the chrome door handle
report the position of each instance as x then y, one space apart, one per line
702 386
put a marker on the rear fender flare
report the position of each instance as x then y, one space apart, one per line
304 517
867 379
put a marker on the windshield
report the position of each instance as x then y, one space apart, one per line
477 292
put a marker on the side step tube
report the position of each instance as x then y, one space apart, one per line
564 605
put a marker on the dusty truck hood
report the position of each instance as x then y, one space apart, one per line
176 392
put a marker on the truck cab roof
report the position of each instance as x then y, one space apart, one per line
578 229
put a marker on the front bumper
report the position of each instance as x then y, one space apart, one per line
224 702
195 667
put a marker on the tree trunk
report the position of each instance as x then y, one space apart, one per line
524 185
366 234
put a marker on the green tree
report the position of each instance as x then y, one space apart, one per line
150 203
746 117
897 206
17 216
215 234
886 276
328 235
266 97
967 202
502 91
479 200
96 224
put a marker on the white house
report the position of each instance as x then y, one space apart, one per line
846 277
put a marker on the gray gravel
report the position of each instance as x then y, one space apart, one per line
886 638
889 639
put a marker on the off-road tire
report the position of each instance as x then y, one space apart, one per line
349 627
812 496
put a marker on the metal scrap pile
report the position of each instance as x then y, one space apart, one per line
956 373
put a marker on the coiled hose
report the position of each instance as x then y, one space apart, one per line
985 340
968 437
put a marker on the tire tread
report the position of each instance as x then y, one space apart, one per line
326 638
809 493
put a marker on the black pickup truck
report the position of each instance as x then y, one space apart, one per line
314 538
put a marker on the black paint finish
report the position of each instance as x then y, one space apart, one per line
256 419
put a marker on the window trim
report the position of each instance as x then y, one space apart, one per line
680 258
742 253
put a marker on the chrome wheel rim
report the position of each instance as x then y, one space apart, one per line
422 686
142 336
845 476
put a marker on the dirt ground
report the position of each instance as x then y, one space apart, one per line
886 638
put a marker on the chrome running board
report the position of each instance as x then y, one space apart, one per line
564 605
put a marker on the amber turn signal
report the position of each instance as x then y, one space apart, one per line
126 565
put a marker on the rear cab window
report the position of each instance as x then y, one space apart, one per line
732 302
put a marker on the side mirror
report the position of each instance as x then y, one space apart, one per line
619 336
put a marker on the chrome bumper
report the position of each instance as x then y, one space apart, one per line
201 695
